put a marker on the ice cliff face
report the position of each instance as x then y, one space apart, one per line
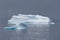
35 19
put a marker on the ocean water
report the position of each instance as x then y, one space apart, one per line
32 32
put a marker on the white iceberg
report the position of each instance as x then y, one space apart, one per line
21 20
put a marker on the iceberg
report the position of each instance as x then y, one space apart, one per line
21 21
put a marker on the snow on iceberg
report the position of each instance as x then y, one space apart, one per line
21 20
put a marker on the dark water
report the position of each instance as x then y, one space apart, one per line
53 34
12 35
35 32
55 30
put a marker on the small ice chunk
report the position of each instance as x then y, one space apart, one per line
10 28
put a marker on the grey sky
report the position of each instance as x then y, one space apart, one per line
49 8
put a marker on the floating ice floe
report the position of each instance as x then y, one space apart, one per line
21 21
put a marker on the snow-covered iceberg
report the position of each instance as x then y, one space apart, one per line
20 21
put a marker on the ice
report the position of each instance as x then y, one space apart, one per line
22 20
29 27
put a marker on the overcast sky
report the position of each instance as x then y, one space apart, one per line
50 8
